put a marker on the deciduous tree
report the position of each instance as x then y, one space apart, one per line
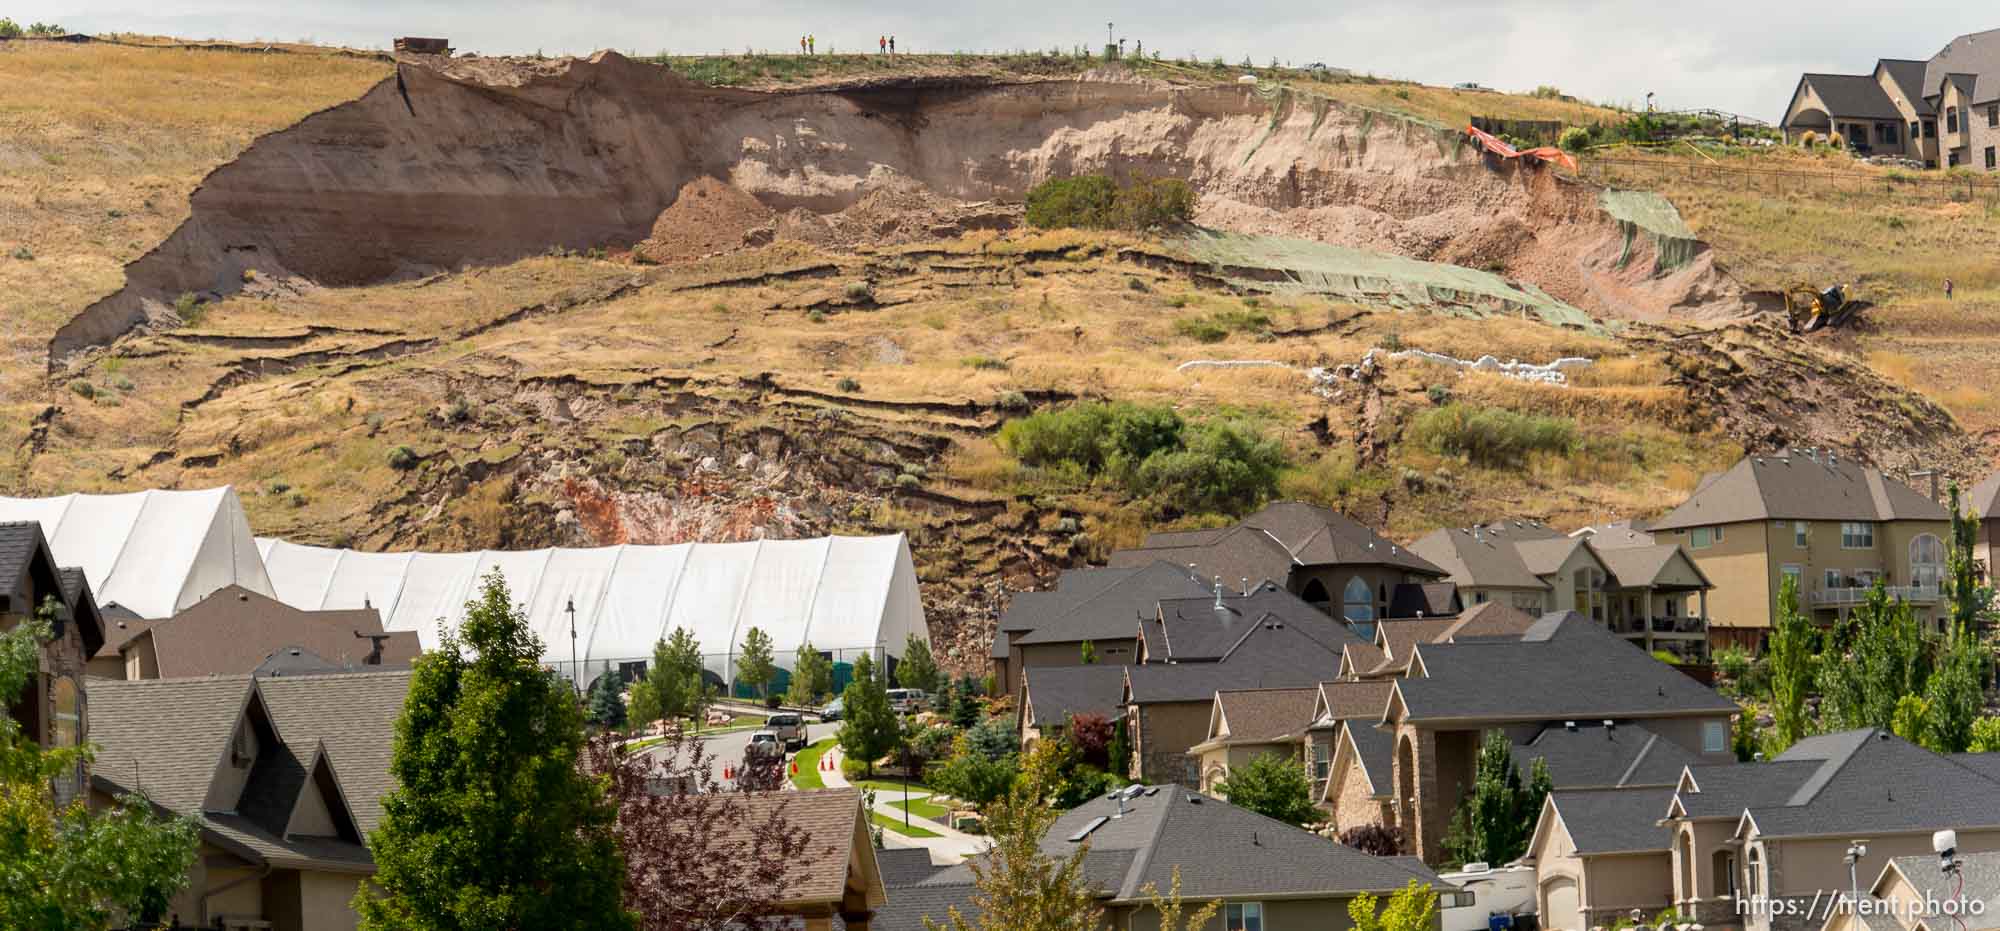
63 866
1413 908
754 666
697 857
1380 840
1019 887
1172 911
493 823
1791 654
1274 786
812 677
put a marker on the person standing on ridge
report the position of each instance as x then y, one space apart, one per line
1947 289
802 45
892 45
881 45
812 44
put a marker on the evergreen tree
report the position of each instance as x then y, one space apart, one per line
918 668
755 667
65 866
1494 821
1120 751
607 701
1089 651
965 704
1275 787
812 677
1791 667
869 727
493 823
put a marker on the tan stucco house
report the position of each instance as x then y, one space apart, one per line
1244 724
1916 894
1982 501
1263 873
1943 111
1599 854
1752 843
1831 523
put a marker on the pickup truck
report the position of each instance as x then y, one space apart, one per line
790 728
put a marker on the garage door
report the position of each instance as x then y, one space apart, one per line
1559 905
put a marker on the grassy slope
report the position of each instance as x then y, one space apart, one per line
1895 249
100 147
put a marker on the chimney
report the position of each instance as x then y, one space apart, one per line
1218 593
375 641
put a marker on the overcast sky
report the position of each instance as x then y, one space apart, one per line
1738 55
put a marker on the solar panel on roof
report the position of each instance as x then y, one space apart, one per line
1086 829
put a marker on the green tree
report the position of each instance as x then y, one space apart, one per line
755 667
1120 751
1412 908
1911 720
607 701
1877 656
1953 699
1971 602
673 685
869 728
1274 786
1089 653
1495 820
65 866
493 823
1018 886
1170 908
965 704
812 676
9 29
1743 737
917 669
1791 667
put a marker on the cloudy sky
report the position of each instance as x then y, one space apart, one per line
1738 55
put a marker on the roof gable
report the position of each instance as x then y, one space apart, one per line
1795 486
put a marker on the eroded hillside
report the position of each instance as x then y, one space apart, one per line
429 318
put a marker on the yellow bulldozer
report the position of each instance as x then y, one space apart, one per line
1809 308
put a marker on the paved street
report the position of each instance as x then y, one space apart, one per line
728 748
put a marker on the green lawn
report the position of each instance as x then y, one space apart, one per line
886 787
922 808
808 759
895 825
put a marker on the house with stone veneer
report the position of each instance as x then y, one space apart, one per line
1943 111
53 709
1916 893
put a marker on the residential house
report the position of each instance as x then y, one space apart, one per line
1102 607
1351 758
1396 638
285 778
1774 834
1912 893
1332 561
1566 668
1168 705
1245 724
120 626
235 631
53 708
842 883
1832 524
1264 873
1595 754
1943 111
1600 855
1202 629
1982 501
1051 695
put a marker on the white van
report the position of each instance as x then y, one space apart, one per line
1483 892
905 701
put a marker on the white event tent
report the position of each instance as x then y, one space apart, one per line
151 552
845 595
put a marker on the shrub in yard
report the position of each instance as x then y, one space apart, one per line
403 459
1491 437
1574 139
1082 201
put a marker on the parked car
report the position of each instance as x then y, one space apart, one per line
764 745
833 710
790 728
907 701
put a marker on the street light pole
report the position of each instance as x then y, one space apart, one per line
575 673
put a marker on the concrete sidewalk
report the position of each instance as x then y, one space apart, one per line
950 847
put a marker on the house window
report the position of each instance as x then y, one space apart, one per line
1357 600
1915 132
1243 916
1951 159
1989 158
1704 537
1831 579
1479 598
1951 119
1754 868
1714 737
1885 133
1857 535
68 733
1930 129
1993 114
1320 763
1926 560
1799 534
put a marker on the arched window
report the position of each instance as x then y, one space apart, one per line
1926 560
1357 601
1754 867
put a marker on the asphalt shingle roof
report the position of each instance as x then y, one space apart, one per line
905 866
1869 780
828 818
1363 700
355 715
1976 53
1634 566
1424 599
1908 75
1604 821
1231 554
1789 486
1724 790
234 630
1266 715
1853 95
1196 630
1479 558
1375 749
166 737
1979 874
1110 613
1056 692
1270 655
19 542
1593 756
1269 543
1577 670
1983 499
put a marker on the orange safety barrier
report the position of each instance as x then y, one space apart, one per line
1497 146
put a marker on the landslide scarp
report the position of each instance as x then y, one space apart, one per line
484 161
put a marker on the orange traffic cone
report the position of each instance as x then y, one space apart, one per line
727 773
795 767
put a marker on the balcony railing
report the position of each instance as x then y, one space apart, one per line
1636 627
1914 594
